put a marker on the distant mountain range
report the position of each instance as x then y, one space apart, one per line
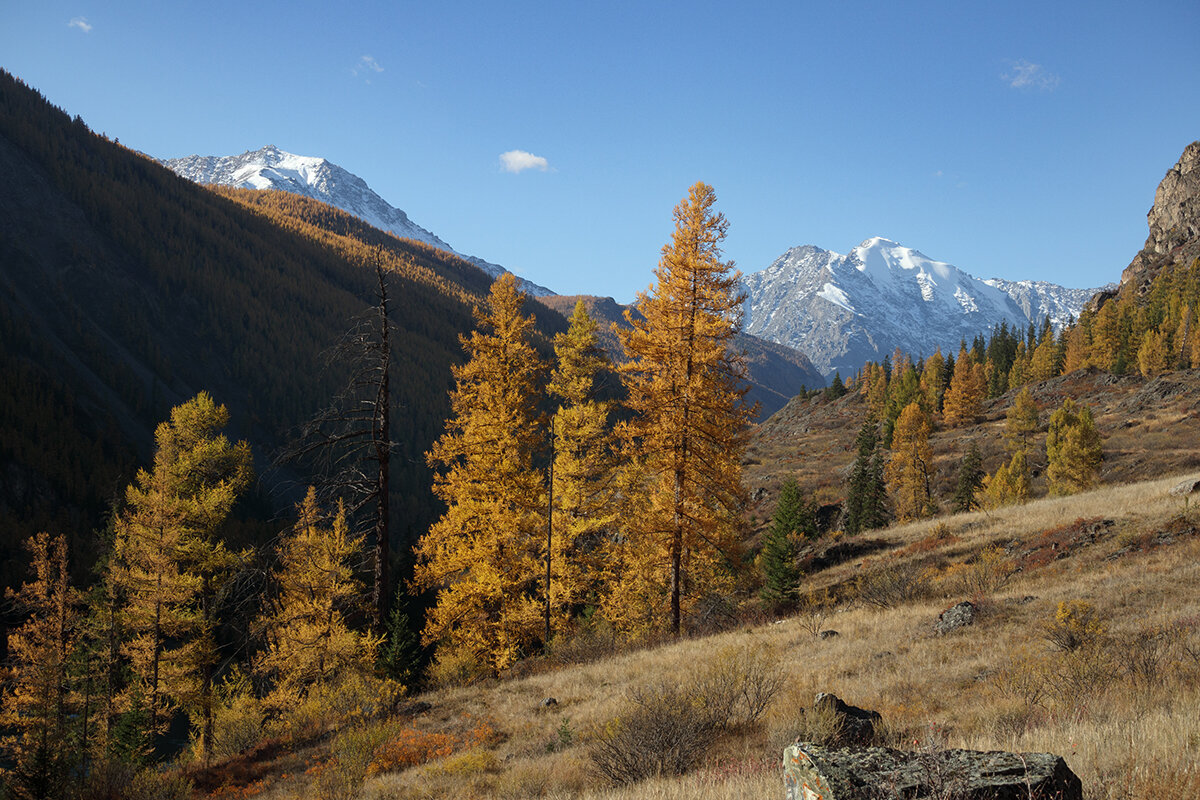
776 373
320 179
844 310
837 310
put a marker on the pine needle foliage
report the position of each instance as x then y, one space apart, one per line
866 493
36 707
794 520
685 387
584 486
1073 449
309 640
484 555
970 480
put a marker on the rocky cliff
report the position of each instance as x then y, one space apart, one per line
1174 222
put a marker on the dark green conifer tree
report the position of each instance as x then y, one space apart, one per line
836 387
970 480
865 496
794 518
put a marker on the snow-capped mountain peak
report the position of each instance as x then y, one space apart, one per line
318 178
843 310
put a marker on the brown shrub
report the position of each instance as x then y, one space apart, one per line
669 727
891 584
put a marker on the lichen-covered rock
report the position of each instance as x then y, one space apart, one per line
1190 486
955 617
811 772
855 726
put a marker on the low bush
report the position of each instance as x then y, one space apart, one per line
353 752
410 747
813 609
151 784
891 584
237 720
456 667
1075 625
669 728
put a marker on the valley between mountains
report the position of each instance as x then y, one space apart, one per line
555 546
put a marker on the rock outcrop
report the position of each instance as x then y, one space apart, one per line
955 617
1174 222
878 773
854 725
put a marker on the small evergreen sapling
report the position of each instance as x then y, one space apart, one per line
795 518
970 480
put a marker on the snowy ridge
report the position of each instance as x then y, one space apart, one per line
844 310
320 179
1040 299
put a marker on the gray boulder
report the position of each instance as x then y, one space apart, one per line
878 773
1190 486
955 617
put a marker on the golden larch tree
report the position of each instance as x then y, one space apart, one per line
1073 449
1021 423
34 708
484 556
1010 483
932 385
911 468
1018 373
1044 363
1181 355
1077 354
309 642
166 559
964 398
1153 355
686 387
584 487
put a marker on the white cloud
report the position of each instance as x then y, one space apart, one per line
519 161
81 23
366 65
1027 75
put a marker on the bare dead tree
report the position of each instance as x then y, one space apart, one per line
348 443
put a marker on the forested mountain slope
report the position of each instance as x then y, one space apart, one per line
125 289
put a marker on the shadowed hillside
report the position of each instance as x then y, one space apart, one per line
125 290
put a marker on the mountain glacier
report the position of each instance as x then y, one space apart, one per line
844 310
320 179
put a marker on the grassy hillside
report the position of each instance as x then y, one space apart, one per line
1145 424
1121 708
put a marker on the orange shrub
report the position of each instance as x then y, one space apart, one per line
412 747
409 748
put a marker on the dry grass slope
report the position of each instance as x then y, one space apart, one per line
1122 708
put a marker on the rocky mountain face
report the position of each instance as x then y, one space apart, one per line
1041 299
1174 222
777 373
320 179
844 310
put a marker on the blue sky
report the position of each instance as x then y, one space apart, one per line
1019 140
